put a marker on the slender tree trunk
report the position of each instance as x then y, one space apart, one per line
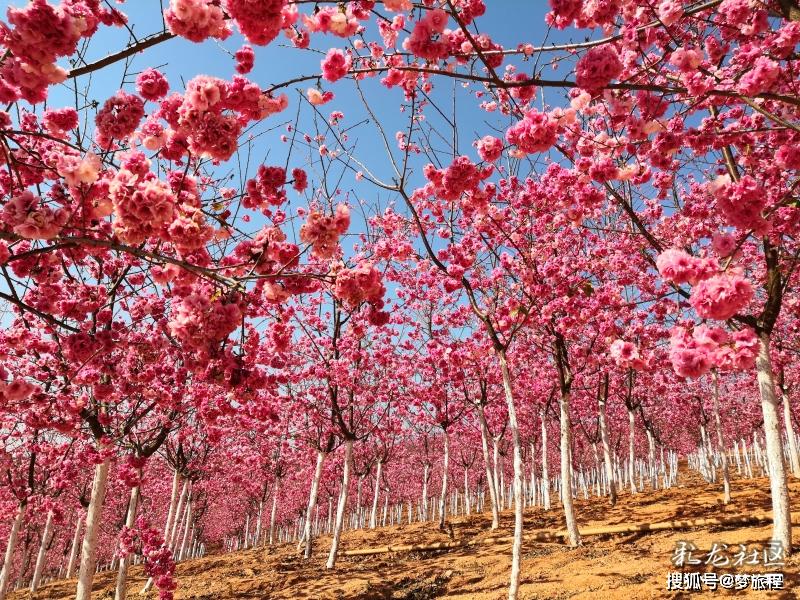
516 548
631 453
40 558
186 524
794 457
601 409
373 515
467 507
545 473
781 524
274 512
8 562
487 464
130 520
73 552
93 518
726 479
175 507
425 472
445 468
312 503
342 505
566 472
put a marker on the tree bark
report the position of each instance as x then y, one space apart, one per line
631 453
545 473
274 512
516 547
726 478
93 518
73 553
445 468
566 472
601 409
130 520
342 505
312 503
40 558
8 563
781 525
373 515
794 457
487 464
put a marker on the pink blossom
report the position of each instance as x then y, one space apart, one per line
152 85
721 296
359 284
57 121
318 98
336 64
741 203
490 148
597 68
260 21
760 78
118 118
196 20
536 132
679 267
322 231
686 59
30 218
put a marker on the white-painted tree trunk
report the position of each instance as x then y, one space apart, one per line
467 507
11 545
516 547
726 478
781 523
487 465
274 512
794 457
445 469
610 483
312 503
121 591
373 515
175 505
40 558
342 504
187 522
425 471
73 552
545 473
94 516
631 450
566 472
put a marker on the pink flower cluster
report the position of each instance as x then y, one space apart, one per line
693 355
360 284
323 231
760 78
245 59
741 203
686 59
158 561
299 180
118 118
489 148
331 19
199 321
536 132
260 21
30 218
722 296
152 85
16 390
597 68
336 64
461 176
143 204
266 188
37 36
427 39
197 20
626 355
58 121
679 267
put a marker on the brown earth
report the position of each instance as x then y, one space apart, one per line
606 567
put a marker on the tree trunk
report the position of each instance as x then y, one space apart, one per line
489 477
467 506
8 563
612 486
631 453
566 472
40 558
93 517
130 520
373 515
445 468
312 503
274 512
425 471
342 505
73 552
781 524
545 473
726 479
516 548
175 507
794 457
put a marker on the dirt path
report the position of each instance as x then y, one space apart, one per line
606 567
